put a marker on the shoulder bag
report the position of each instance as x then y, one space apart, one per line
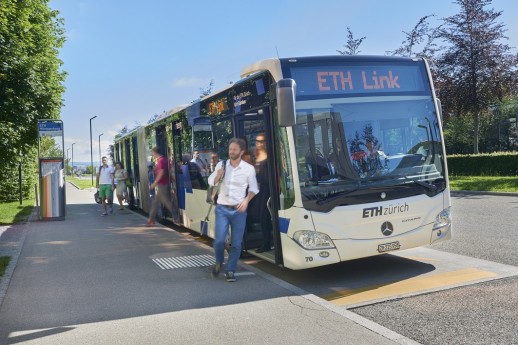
212 191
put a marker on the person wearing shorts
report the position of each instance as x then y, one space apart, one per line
105 184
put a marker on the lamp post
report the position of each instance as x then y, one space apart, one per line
91 150
68 163
72 171
100 147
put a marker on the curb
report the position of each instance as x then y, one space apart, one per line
15 254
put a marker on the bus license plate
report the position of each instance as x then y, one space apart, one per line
387 247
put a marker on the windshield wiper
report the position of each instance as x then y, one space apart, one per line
426 185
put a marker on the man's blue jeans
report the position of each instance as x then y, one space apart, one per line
237 221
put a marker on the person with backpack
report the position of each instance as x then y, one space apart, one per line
105 184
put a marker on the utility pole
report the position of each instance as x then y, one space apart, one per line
91 150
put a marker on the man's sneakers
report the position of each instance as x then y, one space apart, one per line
215 270
104 214
230 276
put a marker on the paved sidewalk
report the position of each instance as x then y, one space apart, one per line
110 280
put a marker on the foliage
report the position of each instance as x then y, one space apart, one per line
497 132
49 147
13 212
31 85
352 44
476 69
422 35
208 90
484 164
4 262
9 183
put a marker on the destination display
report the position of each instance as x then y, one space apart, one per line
329 80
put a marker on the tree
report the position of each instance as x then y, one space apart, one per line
422 35
476 68
208 90
31 83
352 44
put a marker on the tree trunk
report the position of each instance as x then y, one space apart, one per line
476 132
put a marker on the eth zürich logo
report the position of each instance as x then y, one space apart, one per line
387 228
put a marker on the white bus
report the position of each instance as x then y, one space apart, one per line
356 159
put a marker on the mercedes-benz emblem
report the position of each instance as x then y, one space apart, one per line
387 229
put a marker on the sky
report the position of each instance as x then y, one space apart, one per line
128 60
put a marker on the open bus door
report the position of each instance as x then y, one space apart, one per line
248 127
177 191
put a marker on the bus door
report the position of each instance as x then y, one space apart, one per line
161 143
177 191
262 212
136 173
127 162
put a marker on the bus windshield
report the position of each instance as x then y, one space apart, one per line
350 150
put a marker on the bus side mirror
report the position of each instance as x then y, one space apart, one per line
286 102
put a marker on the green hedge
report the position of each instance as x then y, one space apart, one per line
484 164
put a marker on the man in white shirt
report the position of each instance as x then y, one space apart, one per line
201 164
236 178
105 183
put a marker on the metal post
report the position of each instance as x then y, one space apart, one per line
91 150
72 171
68 163
100 148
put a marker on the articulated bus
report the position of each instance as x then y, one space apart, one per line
357 164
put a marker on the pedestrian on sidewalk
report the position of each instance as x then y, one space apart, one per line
121 176
105 184
161 183
238 187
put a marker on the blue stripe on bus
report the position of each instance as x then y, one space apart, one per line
284 224
186 179
181 193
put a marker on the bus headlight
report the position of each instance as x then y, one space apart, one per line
443 219
313 240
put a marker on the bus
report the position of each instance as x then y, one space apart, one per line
356 158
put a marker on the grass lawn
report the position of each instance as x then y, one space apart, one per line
81 183
4 262
13 212
485 183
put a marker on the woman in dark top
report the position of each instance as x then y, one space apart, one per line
260 200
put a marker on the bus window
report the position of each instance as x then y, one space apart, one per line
222 134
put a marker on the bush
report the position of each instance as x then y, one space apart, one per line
484 164
9 181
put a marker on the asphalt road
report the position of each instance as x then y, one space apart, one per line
485 227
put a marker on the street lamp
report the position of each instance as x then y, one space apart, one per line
73 159
68 162
100 147
91 150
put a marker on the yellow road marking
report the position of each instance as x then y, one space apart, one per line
411 285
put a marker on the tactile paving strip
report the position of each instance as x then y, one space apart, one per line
185 261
